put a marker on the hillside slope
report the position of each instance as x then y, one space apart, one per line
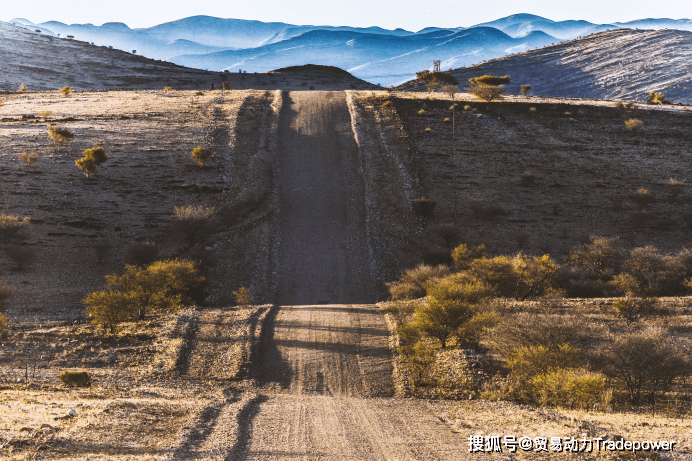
618 64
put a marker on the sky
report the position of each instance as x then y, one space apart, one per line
407 14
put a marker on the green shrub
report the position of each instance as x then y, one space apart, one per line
400 309
487 93
75 378
657 98
200 155
91 159
535 275
423 207
242 296
66 90
167 89
475 328
60 136
463 255
420 358
573 388
451 304
498 273
194 222
413 282
633 308
489 80
110 308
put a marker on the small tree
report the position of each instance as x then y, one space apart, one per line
657 98
110 308
200 155
194 222
525 89
29 158
60 136
489 80
434 79
66 90
485 92
92 158
242 296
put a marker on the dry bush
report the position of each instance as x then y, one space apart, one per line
402 310
657 98
3 323
645 363
572 388
142 253
60 136
91 159
449 234
386 103
463 255
194 222
45 115
66 90
421 112
489 80
11 227
167 89
199 93
22 88
600 259
625 108
487 212
633 124
525 89
413 283
242 296
641 197
201 155
634 309
451 90
75 378
487 93
423 207
21 256
29 158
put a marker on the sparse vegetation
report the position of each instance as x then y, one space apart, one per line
91 159
60 136
626 108
433 80
657 98
242 296
201 155
75 378
525 89
66 90
22 88
634 124
194 222
11 227
167 89
485 92
45 115
28 158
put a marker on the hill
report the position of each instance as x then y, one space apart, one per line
44 62
617 64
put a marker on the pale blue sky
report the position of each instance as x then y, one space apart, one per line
408 14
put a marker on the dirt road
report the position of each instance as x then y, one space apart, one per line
323 254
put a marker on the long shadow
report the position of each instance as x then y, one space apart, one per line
245 417
266 364
204 427
353 330
338 309
381 352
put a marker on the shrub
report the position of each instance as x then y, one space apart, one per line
423 207
625 108
29 158
489 80
434 79
199 93
386 103
498 273
419 357
578 388
5 293
200 155
45 115
633 124
21 256
421 112
473 330
93 157
463 255
225 85
449 233
75 378
161 286
451 90
242 296
534 275
11 227
525 89
400 309
657 98
487 93
59 136
142 253
66 90
451 304
633 309
3 323
675 188
413 283
526 363
599 259
110 308
167 89
22 88
194 222
646 363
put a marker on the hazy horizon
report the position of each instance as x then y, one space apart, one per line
408 14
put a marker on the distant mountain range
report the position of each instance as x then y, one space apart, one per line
373 54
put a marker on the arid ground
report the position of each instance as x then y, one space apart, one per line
313 193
